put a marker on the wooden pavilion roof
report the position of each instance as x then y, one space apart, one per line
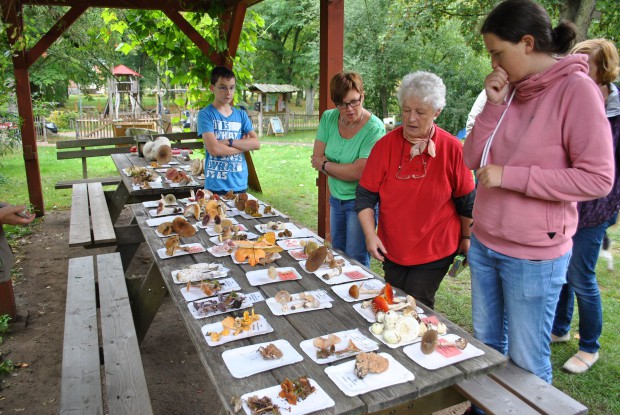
176 5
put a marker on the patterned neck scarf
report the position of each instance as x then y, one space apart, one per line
420 144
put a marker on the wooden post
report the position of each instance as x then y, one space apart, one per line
286 113
331 62
260 115
7 299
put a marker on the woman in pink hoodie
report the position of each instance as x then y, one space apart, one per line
541 144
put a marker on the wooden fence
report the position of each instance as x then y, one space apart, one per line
104 127
297 121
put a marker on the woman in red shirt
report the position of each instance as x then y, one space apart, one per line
425 193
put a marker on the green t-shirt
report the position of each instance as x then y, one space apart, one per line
345 151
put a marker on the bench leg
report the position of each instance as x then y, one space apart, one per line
117 201
147 301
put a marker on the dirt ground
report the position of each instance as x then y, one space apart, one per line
176 379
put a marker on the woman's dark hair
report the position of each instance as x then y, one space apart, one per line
342 83
512 19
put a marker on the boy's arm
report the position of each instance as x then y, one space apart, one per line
217 147
248 142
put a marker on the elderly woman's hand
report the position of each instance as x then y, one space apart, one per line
317 162
490 175
15 215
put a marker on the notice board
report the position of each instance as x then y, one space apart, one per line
275 125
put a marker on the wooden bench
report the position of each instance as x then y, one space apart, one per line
82 365
100 147
512 390
90 223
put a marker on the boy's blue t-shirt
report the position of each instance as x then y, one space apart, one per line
224 173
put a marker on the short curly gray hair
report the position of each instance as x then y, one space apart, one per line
423 85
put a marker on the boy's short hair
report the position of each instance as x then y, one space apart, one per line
221 72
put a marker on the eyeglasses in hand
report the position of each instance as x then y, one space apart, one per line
413 164
352 104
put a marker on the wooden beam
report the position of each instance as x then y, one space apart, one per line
331 62
232 23
12 13
54 33
194 36
177 5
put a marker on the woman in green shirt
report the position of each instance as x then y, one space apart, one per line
344 140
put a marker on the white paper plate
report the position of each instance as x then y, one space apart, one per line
218 271
193 183
258 328
195 293
246 304
159 221
361 341
250 236
153 185
343 290
343 375
262 227
315 402
436 360
295 234
295 243
195 248
165 212
276 308
369 315
261 276
247 361
275 257
297 254
155 203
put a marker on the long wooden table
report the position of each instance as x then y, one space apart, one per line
125 192
430 391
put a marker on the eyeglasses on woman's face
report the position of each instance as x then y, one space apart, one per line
353 103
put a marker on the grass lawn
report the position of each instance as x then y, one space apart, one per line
289 183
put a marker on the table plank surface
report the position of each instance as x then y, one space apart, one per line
298 327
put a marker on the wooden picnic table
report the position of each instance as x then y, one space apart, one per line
430 391
126 193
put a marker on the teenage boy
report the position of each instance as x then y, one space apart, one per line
227 133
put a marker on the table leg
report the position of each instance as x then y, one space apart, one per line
117 201
147 301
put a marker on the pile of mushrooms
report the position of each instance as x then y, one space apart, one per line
322 255
304 300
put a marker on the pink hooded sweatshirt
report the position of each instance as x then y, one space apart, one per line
556 149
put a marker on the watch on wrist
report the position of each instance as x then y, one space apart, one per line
323 167
230 141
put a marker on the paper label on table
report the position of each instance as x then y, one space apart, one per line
355 275
198 272
293 307
155 203
314 402
343 290
261 276
247 361
343 375
220 251
152 185
159 221
186 249
435 360
199 310
256 329
255 297
369 315
196 293
447 351
295 243
362 342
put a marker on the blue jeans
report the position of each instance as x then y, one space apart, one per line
346 231
581 280
513 304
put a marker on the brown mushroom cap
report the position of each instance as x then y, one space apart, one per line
354 291
316 259
164 154
429 341
282 296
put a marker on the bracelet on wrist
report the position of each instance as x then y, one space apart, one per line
323 167
465 237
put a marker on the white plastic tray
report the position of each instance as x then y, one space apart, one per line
261 276
436 360
262 227
247 361
195 247
295 243
246 304
159 221
369 315
297 254
361 341
195 293
216 239
276 308
155 203
343 375
343 290
315 402
218 254
219 271
258 328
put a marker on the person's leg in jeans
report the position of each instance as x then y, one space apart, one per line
581 279
337 224
355 239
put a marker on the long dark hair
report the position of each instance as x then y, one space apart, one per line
512 19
